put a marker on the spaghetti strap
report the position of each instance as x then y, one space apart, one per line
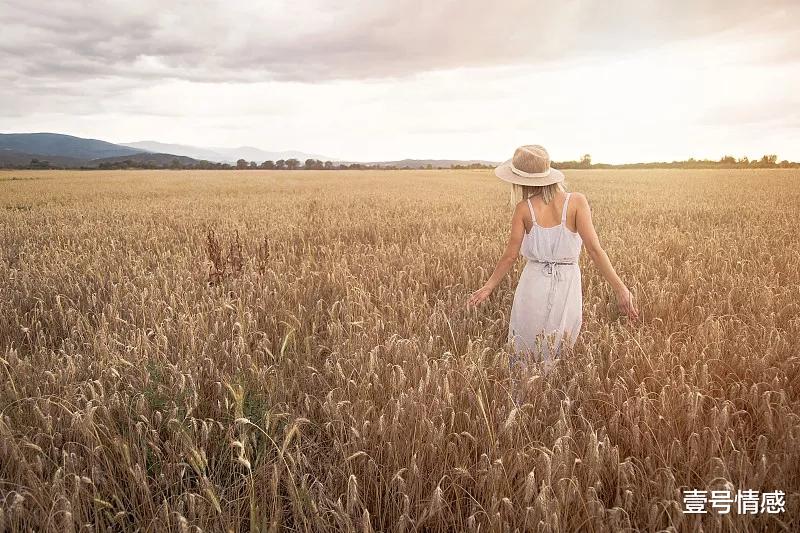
564 209
533 217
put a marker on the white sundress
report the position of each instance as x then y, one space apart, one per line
548 299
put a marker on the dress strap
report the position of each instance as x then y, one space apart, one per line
564 209
533 217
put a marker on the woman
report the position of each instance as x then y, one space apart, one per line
547 301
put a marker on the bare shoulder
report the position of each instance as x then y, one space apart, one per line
580 199
579 196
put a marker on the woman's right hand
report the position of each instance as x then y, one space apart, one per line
625 304
479 295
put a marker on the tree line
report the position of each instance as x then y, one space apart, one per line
727 161
585 162
295 164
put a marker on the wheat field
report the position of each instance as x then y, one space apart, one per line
266 351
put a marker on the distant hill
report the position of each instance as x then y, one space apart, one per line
16 159
184 150
18 149
42 150
258 155
225 155
55 144
423 163
159 160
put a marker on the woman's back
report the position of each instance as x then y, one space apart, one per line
551 243
550 214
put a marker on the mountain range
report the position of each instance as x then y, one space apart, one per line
19 150
57 145
224 155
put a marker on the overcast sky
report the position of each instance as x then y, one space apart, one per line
377 80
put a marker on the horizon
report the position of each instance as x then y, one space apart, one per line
319 157
387 81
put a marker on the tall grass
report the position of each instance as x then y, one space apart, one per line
257 351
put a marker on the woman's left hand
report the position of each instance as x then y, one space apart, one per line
625 304
479 296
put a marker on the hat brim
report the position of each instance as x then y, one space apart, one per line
504 172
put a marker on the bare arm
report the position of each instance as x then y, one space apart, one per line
591 242
506 260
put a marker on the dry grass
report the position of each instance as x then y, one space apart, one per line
329 378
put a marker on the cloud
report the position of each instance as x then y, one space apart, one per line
314 41
782 112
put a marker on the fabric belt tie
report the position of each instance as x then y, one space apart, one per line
555 276
549 269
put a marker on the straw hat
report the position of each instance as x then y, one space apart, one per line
529 166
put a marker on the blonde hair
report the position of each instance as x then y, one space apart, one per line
523 192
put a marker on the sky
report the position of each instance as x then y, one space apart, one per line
378 80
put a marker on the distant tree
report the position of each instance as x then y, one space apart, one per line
429 166
174 164
292 164
728 160
241 164
586 160
36 163
744 160
253 164
769 160
280 164
328 165
269 165
313 164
